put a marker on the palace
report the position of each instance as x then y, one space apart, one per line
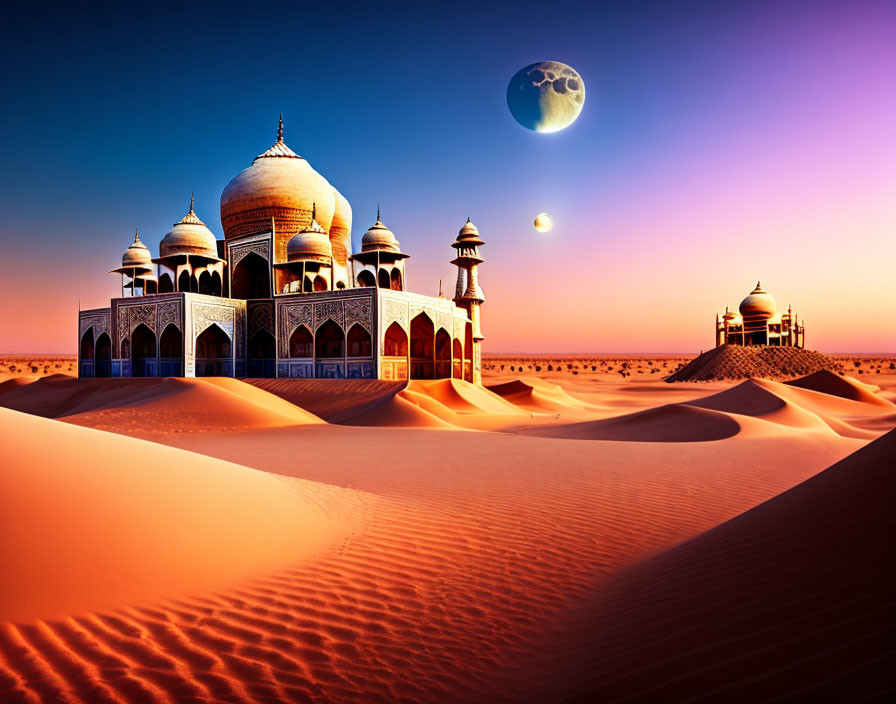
759 323
282 295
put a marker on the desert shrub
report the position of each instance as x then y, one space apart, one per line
538 367
550 367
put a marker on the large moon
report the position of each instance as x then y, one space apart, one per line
543 222
546 96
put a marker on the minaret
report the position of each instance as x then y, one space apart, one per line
468 294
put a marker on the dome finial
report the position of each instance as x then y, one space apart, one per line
280 129
377 212
136 235
192 198
313 212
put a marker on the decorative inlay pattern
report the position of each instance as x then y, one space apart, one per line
100 324
260 316
330 310
397 311
205 315
239 251
145 314
443 321
291 316
169 312
357 310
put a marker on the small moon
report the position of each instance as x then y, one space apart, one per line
543 222
546 96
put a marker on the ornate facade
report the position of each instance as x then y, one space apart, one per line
282 294
758 322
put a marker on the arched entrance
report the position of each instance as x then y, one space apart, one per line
422 347
301 343
262 355
166 285
384 279
103 360
214 353
143 352
443 354
365 278
395 280
359 342
394 359
183 281
205 283
251 277
329 351
87 368
216 284
171 351
320 283
468 352
457 370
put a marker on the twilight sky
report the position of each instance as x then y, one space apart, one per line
720 143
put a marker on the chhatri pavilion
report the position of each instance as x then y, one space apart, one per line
758 322
283 295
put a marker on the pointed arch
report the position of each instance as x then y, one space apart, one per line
183 281
217 285
457 368
251 277
422 347
166 284
143 351
87 344
366 278
301 342
320 283
443 354
360 343
262 353
204 283
384 279
329 341
395 341
214 352
468 352
103 357
395 280
171 351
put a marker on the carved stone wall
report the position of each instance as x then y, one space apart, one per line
205 315
358 311
99 323
329 310
260 315
238 252
290 316
142 315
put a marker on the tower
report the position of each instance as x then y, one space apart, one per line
468 295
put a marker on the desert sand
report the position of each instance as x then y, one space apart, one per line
551 537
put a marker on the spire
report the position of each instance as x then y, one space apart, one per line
280 129
192 197
377 212
313 212
136 235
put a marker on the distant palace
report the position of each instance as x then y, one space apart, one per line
282 294
758 322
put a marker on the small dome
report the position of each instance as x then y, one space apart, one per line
137 255
311 243
189 236
758 305
379 237
468 231
728 314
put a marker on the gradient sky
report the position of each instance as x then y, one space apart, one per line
720 143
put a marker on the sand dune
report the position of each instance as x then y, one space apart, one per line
438 559
540 396
155 405
90 520
792 600
844 386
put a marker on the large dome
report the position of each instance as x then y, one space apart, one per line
189 236
282 186
759 304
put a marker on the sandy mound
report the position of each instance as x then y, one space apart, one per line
671 423
155 405
827 382
90 520
789 600
736 362
539 396
331 399
463 397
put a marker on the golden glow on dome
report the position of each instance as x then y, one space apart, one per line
189 236
759 304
